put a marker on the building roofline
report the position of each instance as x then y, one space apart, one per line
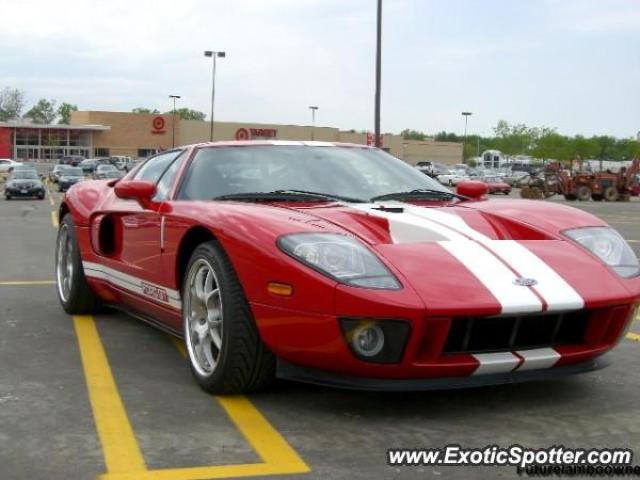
51 126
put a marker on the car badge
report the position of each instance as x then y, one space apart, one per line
525 282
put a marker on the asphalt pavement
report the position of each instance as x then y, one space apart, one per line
85 396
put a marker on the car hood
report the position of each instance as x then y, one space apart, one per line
480 256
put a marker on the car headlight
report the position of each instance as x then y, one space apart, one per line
607 244
340 257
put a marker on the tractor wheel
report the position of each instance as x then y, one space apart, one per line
536 193
570 197
525 192
583 193
610 194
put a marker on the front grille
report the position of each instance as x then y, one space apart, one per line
491 334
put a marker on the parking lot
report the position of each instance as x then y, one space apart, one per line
110 396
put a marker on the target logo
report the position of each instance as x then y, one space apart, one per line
242 134
158 125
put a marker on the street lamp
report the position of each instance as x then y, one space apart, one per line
464 142
378 73
214 55
313 109
173 121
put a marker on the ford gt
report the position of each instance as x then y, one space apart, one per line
341 265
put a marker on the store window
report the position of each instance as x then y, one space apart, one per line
146 152
101 152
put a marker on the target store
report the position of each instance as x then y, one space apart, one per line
102 134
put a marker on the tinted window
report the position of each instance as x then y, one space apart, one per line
350 172
166 182
153 168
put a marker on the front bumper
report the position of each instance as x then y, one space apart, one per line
24 192
289 371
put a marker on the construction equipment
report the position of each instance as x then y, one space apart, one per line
581 185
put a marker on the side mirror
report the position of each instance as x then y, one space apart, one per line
140 190
472 189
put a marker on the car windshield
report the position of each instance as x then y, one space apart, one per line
25 175
350 172
105 168
72 172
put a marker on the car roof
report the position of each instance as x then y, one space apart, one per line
261 143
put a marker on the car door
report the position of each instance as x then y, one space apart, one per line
137 232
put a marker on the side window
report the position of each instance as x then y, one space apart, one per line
153 168
166 181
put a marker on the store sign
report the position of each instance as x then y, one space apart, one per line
255 133
157 126
371 142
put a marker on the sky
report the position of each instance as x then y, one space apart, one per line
569 64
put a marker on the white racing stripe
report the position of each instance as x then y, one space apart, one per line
133 284
538 358
488 266
501 362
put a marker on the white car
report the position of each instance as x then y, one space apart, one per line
453 177
7 164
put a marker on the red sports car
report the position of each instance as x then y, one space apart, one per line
497 185
342 265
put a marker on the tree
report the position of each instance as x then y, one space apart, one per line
11 103
447 137
146 110
43 112
187 114
409 134
64 111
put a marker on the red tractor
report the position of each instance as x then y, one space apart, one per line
582 185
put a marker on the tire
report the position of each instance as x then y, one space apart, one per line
583 193
525 192
610 194
77 297
624 197
41 196
242 362
7 197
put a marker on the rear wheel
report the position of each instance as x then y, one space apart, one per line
74 292
611 194
226 354
583 193
7 196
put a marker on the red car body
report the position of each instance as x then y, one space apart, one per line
459 266
495 185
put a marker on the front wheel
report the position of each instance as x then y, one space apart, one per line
74 292
225 352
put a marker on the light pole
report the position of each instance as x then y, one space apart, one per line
214 55
313 109
173 121
464 142
378 73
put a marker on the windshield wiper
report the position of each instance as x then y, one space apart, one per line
286 196
418 193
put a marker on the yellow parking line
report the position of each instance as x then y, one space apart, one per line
119 445
54 219
51 199
27 283
633 336
633 241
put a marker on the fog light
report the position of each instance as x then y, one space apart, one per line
368 340
377 341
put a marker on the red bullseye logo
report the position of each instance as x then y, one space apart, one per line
242 134
158 123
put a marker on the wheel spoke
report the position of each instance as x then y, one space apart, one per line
208 353
215 338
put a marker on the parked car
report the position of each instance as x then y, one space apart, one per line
24 183
55 172
88 166
513 177
425 167
496 185
73 160
635 189
313 270
69 177
106 171
122 162
452 177
6 165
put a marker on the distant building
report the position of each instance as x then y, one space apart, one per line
103 134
